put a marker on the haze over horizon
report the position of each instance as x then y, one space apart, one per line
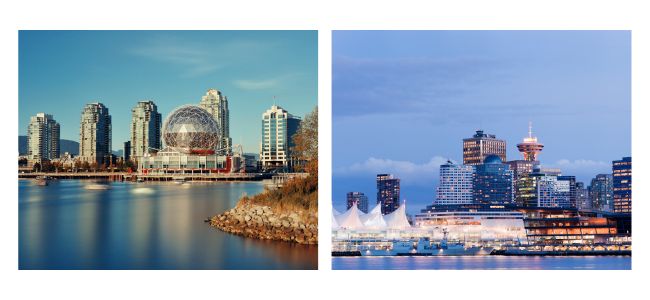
404 100
61 71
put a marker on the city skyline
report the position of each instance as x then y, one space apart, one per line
405 109
255 69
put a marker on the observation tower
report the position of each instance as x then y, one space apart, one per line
530 148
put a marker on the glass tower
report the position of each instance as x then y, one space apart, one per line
360 198
217 105
278 128
145 129
387 193
622 185
493 182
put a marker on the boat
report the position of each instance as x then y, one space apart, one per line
179 180
41 181
97 186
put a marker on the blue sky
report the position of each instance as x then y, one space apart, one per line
404 100
61 71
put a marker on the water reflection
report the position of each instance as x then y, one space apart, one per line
141 226
483 263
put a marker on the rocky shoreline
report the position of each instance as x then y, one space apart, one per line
261 222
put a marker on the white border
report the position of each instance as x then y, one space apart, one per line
323 16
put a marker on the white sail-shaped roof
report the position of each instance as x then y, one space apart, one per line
374 219
335 212
397 219
335 224
351 219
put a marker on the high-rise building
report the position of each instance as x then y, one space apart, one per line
582 196
278 128
127 150
554 192
573 189
456 182
146 122
530 148
521 169
388 191
217 105
95 134
476 148
601 192
43 138
357 197
622 185
493 182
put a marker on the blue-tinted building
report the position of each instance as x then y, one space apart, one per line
622 185
601 192
360 198
493 182
387 193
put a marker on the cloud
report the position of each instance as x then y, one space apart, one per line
584 169
410 173
267 83
198 58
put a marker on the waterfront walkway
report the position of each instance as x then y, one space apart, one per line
124 176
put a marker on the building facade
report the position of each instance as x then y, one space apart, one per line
388 193
479 146
146 124
43 138
127 150
357 197
493 182
553 192
582 197
278 128
217 105
95 134
622 185
456 183
601 193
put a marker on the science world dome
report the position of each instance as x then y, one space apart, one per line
190 129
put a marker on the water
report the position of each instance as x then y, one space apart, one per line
142 226
483 263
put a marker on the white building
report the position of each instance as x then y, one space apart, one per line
278 128
145 129
95 134
43 138
455 184
217 105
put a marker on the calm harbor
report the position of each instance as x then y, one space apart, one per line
489 262
152 225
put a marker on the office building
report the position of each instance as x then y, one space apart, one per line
278 128
388 193
456 182
215 103
601 193
145 129
622 185
127 150
476 148
493 182
582 197
359 198
43 138
95 134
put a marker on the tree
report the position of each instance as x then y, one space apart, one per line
306 143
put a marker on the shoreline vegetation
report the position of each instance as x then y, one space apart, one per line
290 212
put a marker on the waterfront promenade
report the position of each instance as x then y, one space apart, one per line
124 176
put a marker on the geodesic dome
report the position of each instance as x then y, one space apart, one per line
192 130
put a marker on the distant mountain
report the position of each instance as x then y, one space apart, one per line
66 146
